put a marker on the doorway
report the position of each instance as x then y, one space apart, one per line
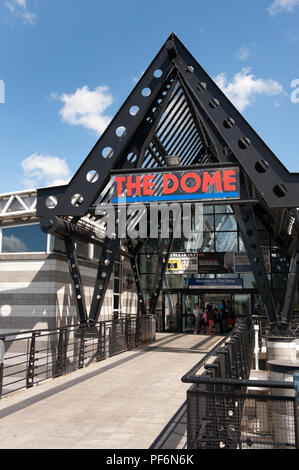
172 312
202 299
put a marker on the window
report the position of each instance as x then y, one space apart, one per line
23 239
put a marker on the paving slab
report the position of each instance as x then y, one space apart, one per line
122 402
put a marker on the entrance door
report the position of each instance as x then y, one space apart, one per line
189 301
202 299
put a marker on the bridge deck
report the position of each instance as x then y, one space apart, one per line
122 402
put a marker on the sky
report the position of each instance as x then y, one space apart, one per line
67 66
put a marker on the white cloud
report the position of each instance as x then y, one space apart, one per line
279 6
45 170
245 87
86 107
243 53
19 9
13 244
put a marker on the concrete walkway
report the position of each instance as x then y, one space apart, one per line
122 402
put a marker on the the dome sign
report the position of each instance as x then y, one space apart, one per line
165 186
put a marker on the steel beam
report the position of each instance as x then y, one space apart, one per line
163 257
76 281
105 269
134 266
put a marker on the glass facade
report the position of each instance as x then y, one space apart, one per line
23 239
220 235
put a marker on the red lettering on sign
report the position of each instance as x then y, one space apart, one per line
195 187
174 187
210 180
119 180
147 184
229 178
131 185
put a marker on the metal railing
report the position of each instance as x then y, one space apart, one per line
227 410
30 357
263 322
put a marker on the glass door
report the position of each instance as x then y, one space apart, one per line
172 312
242 305
189 301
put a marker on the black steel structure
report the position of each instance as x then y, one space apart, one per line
177 109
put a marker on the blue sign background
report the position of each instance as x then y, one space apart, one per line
216 283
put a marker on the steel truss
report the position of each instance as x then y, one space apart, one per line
177 109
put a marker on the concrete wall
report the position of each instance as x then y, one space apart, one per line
36 292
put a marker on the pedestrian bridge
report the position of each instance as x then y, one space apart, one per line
133 400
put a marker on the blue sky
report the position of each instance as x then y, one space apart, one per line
68 65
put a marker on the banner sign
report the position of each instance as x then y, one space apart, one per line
183 186
182 263
242 264
219 262
229 262
215 283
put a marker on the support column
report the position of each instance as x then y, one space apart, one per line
292 285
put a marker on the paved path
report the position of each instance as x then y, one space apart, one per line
122 402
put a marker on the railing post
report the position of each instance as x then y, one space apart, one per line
101 342
2 354
296 408
81 351
31 363
61 353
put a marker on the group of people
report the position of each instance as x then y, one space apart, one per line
213 319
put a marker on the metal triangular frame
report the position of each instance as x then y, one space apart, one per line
218 133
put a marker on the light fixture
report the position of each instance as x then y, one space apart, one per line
172 160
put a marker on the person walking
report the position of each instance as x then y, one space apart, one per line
211 319
224 317
217 322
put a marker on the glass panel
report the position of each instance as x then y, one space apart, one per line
225 222
208 242
188 317
116 302
82 251
97 252
223 209
226 241
27 238
242 304
241 244
148 263
248 281
151 246
146 281
208 209
172 312
175 281
208 223
204 276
